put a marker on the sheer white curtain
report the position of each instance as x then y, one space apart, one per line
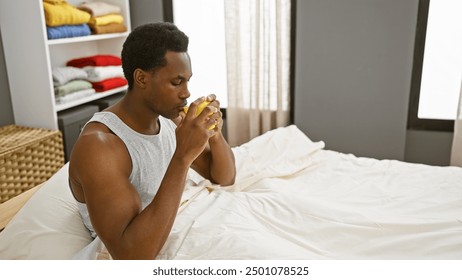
456 153
258 61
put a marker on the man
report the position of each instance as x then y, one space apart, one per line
129 165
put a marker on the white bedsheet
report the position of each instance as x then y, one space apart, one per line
294 200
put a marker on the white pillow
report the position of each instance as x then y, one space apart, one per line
48 227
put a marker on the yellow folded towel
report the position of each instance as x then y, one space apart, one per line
62 13
103 20
108 28
55 1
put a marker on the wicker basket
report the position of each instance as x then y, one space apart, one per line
28 157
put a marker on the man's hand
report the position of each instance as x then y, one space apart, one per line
193 132
215 160
217 116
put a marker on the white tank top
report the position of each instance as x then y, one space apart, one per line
150 155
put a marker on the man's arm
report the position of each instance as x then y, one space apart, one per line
216 162
101 165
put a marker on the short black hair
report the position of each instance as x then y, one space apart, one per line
146 45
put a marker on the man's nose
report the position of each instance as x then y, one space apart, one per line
185 93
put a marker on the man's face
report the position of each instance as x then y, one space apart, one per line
168 88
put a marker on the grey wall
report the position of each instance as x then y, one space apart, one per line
6 110
430 147
353 73
146 11
352 79
353 60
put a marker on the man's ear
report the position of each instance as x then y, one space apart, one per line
140 78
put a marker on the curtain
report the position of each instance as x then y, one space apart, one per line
257 34
456 153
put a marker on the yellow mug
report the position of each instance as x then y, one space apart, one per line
200 108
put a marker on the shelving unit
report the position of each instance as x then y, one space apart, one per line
30 56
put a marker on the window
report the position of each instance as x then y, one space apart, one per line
204 23
442 64
437 65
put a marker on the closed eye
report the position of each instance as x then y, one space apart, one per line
178 81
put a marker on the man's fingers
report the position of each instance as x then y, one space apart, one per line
211 97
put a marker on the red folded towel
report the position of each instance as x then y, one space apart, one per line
96 60
109 84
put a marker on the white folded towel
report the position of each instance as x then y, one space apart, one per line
101 73
62 75
99 8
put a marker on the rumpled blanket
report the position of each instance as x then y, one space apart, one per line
62 13
63 75
109 84
95 60
99 8
101 73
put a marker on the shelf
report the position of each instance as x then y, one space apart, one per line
34 56
86 38
95 96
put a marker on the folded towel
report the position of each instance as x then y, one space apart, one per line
101 73
109 84
62 13
55 1
106 19
71 87
98 8
108 28
74 96
62 75
96 60
68 31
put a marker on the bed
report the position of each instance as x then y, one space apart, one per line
293 199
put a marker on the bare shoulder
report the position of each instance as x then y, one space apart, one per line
97 151
99 171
